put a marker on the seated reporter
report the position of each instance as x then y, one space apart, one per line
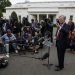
35 43
9 39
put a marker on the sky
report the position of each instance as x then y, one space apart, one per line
18 1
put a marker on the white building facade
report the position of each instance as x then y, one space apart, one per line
41 10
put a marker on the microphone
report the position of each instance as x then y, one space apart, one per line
45 56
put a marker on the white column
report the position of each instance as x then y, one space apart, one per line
38 17
73 18
47 16
67 18
30 17
54 19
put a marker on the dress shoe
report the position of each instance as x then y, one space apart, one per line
58 66
58 69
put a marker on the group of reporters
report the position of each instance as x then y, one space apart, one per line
65 34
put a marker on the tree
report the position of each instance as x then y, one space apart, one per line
8 3
3 4
14 16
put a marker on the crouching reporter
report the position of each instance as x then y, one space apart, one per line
9 41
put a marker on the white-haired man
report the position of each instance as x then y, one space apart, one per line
61 41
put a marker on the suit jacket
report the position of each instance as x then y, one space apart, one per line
71 26
62 39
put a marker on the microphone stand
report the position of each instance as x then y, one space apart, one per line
48 44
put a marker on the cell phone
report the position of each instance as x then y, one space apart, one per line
57 20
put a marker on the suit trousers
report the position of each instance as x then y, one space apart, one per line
60 53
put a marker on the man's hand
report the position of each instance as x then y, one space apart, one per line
58 26
13 41
54 38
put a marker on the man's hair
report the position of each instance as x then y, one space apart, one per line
63 16
8 30
32 19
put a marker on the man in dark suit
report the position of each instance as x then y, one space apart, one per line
71 25
50 29
71 29
61 41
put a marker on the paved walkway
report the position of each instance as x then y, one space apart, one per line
24 65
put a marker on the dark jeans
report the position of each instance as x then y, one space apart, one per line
72 46
12 47
2 49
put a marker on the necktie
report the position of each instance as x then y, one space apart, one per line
58 33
